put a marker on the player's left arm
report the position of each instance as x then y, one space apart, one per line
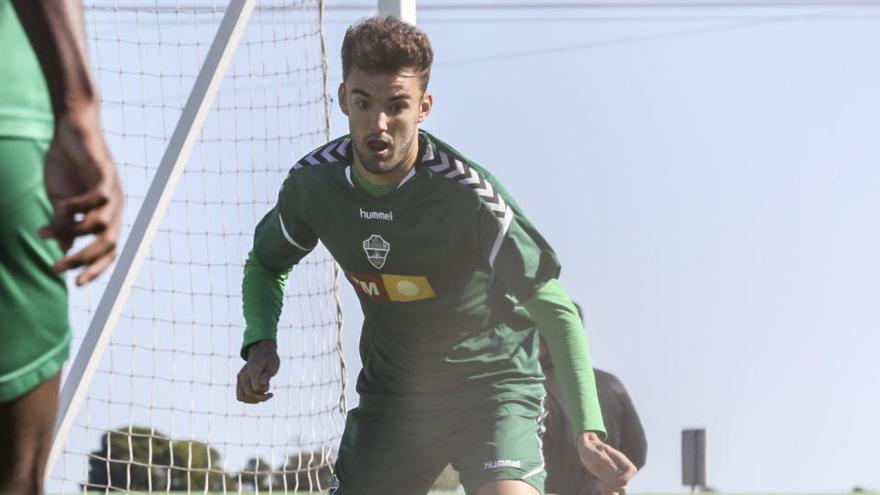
560 324
527 266
522 259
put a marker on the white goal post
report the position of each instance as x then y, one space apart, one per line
205 104
150 215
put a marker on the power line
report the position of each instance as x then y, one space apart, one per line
620 5
523 20
508 7
620 41
624 19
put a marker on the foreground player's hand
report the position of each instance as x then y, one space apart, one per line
609 465
85 193
253 379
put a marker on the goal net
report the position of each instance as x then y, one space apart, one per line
160 414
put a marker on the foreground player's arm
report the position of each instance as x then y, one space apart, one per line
57 34
557 318
280 241
80 174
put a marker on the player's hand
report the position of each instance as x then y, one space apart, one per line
609 465
85 193
253 379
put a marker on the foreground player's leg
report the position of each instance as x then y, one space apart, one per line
26 425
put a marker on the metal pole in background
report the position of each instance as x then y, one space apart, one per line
405 10
693 458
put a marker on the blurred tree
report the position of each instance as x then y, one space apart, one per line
256 474
130 458
305 471
195 466
140 458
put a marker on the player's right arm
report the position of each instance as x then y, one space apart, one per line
80 174
282 238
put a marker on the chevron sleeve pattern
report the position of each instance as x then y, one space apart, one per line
510 246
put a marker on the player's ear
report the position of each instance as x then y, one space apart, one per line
343 103
426 104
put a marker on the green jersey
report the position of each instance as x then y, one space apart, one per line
438 264
25 108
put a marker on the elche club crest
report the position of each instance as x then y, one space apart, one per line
377 250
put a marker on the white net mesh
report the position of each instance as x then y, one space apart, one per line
161 413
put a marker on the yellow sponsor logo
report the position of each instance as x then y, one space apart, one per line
381 287
405 288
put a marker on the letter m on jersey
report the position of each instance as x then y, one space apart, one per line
384 287
369 284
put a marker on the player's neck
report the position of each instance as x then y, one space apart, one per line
394 177
374 190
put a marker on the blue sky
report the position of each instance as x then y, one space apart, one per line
711 186
708 178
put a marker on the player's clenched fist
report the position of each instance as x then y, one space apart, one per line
253 379
608 464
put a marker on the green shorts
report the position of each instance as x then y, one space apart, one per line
34 326
384 453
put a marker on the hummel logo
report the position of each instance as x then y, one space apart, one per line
377 215
501 463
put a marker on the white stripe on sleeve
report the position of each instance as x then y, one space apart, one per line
505 225
287 235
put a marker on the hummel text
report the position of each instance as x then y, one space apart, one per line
377 215
501 463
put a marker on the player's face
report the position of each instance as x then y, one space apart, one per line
384 112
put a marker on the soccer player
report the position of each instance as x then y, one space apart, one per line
57 182
450 275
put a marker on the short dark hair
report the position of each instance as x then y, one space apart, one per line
386 45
